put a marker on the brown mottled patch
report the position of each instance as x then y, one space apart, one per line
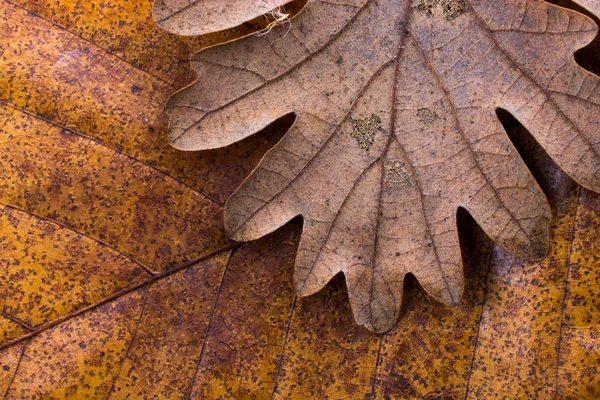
395 175
364 130
426 116
450 8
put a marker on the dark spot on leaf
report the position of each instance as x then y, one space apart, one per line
135 89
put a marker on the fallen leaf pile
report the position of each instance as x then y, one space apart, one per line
118 279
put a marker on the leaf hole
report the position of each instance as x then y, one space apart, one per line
554 182
587 57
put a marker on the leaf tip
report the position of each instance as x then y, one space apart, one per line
381 326
536 245
540 250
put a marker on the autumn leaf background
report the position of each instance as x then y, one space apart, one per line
119 281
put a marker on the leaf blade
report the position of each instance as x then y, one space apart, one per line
454 69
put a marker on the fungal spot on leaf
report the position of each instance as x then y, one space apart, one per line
426 116
364 130
135 89
395 176
450 8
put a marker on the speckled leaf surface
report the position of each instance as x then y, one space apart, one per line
396 128
117 279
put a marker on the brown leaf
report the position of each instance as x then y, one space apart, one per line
396 129
197 17
591 5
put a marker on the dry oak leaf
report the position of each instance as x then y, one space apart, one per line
592 5
396 128
197 17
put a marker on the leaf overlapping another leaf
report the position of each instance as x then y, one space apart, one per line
434 81
197 17
229 328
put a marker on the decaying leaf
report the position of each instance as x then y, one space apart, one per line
88 200
396 128
196 17
591 5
